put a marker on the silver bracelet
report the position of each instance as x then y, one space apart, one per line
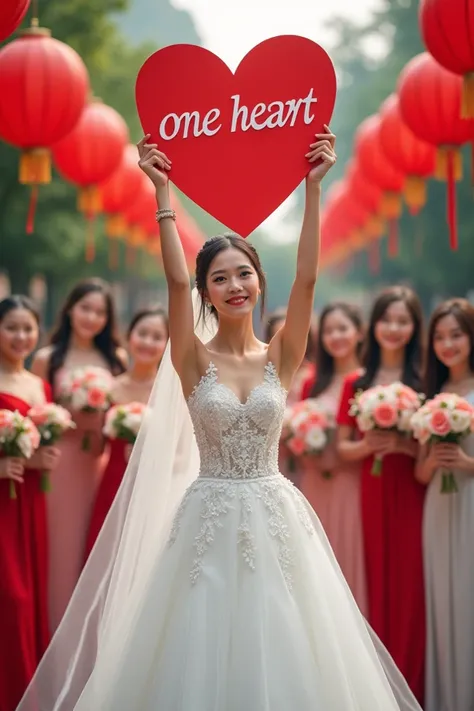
163 214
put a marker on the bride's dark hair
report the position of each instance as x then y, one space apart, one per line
207 254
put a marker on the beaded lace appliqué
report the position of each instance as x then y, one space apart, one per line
238 444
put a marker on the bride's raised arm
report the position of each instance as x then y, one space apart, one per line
155 165
291 340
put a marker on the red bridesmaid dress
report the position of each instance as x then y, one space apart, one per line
24 626
392 513
109 485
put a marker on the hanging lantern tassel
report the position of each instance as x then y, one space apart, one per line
90 204
442 156
415 194
115 226
90 240
392 238
30 220
468 96
374 256
452 217
35 169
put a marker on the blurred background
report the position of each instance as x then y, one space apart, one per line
370 42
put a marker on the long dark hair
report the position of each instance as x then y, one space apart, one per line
436 373
411 375
107 342
324 361
211 249
144 313
18 301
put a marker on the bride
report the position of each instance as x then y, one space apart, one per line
212 586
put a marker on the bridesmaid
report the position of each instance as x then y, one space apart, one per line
147 337
392 504
85 336
449 520
24 629
336 500
286 461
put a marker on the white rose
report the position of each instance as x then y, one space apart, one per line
405 420
132 422
79 399
460 421
365 422
24 445
316 439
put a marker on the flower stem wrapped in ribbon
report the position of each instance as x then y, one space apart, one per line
52 421
18 438
445 418
388 408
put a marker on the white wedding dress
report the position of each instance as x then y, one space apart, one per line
246 609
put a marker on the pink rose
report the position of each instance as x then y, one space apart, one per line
96 398
297 445
440 424
385 415
6 418
464 406
38 415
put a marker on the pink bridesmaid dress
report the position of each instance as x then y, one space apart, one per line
74 485
336 501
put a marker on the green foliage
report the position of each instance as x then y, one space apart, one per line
57 247
435 271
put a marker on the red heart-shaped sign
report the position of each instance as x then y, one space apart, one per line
237 141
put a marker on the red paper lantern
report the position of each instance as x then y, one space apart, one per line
44 85
12 13
429 102
91 152
377 167
89 155
447 27
381 171
365 191
412 156
120 190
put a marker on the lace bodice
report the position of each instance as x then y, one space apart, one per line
238 440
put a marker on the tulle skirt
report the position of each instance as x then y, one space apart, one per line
246 608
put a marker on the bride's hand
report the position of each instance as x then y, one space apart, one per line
322 150
153 162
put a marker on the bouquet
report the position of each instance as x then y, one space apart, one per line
18 438
445 418
386 408
86 389
307 429
124 421
51 421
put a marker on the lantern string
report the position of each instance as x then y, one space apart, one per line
30 220
451 207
